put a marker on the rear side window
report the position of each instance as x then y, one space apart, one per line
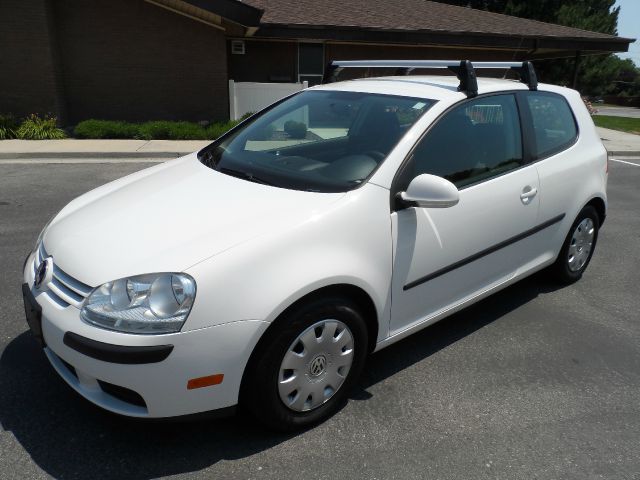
475 141
553 123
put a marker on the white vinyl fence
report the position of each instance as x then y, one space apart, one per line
247 97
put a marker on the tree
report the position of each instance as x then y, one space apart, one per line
627 83
594 15
542 10
596 72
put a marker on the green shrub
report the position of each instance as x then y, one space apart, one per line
36 128
153 130
106 129
217 129
172 130
8 126
295 129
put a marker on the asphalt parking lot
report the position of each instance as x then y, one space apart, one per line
536 382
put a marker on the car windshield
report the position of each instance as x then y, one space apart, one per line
322 141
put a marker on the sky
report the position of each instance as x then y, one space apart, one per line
629 26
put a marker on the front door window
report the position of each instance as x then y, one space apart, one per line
473 142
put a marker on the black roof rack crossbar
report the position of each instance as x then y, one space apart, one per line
464 70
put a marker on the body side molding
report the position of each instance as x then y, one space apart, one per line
487 251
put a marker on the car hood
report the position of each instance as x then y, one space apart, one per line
168 218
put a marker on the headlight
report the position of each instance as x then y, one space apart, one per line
148 304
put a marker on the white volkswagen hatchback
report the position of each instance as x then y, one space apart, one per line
263 270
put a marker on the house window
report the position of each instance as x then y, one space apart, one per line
310 63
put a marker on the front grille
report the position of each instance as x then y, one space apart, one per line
121 393
66 289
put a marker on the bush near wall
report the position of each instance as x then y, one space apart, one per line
153 130
171 131
105 129
8 126
34 127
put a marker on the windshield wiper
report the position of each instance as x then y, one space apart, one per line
209 159
245 176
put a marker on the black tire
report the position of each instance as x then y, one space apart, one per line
259 393
560 269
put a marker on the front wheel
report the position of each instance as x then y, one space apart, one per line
303 369
578 247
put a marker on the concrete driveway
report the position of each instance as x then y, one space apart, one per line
535 382
617 111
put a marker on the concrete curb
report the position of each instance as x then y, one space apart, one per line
624 153
88 155
79 161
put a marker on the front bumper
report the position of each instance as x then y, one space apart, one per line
154 390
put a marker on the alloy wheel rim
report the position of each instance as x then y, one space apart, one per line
581 245
315 365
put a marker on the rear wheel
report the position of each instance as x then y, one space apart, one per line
578 247
302 371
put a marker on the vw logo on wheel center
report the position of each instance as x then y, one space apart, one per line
317 365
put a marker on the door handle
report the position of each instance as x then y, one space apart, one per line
527 194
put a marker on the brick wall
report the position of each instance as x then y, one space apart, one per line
110 59
27 72
130 60
264 62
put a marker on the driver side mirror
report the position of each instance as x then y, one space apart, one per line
430 191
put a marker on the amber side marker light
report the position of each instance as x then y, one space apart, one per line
205 381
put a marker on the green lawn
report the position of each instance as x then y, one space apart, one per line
624 124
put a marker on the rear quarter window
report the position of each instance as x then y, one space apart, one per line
553 123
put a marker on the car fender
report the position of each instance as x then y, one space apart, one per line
348 243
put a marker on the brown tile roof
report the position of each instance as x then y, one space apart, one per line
408 15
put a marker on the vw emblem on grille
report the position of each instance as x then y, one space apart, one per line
317 365
43 273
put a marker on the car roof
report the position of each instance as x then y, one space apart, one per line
435 87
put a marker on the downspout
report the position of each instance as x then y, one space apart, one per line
531 52
576 68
